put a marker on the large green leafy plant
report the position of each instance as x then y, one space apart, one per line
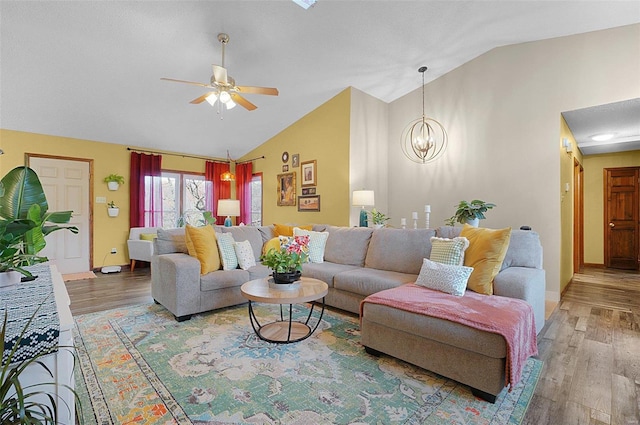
23 203
466 211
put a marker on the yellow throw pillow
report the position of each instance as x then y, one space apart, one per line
487 249
284 230
201 243
148 236
271 243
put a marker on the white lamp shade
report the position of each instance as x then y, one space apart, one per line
228 207
363 198
212 98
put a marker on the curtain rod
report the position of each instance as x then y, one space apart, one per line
194 157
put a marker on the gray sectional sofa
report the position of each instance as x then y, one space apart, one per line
358 262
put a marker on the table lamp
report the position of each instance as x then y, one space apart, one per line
228 207
363 198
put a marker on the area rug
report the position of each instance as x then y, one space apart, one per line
78 276
138 365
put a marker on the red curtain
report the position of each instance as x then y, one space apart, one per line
216 187
244 173
145 193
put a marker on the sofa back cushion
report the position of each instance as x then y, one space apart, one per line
170 241
399 250
347 245
247 233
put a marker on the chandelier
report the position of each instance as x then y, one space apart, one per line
228 176
424 139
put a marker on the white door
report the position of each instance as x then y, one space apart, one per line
66 185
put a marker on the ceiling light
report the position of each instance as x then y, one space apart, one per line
305 4
602 137
228 176
225 97
212 98
230 104
424 139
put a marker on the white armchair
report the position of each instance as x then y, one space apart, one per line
140 244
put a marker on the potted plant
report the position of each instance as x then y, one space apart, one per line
378 219
25 220
286 262
470 212
114 181
112 209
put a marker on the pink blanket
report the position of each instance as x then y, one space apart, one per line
509 317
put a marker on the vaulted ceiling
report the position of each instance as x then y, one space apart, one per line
91 70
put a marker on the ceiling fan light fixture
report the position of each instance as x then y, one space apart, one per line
230 104
212 98
225 97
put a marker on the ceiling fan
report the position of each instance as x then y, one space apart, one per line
224 88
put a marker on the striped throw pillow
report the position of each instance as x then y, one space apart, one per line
317 242
448 251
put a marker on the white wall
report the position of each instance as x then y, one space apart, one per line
368 164
502 113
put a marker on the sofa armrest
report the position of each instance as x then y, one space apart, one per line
524 283
175 283
140 249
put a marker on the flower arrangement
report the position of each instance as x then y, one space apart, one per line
292 254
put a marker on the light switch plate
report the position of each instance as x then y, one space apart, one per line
101 200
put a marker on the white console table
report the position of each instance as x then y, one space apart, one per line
61 362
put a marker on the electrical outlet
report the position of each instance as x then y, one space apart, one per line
114 251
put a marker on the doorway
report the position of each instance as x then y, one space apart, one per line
621 198
578 216
67 184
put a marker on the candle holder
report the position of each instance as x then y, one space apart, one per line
426 220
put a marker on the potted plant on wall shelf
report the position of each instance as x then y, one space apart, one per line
470 212
112 209
378 219
114 181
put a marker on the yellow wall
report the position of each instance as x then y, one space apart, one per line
594 166
108 158
321 135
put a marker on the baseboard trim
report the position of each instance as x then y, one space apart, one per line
595 265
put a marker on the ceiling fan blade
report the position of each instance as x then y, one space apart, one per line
258 90
201 99
243 102
219 74
187 82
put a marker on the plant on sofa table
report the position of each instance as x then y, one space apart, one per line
289 258
378 218
469 211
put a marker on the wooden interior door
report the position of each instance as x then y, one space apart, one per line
621 218
66 183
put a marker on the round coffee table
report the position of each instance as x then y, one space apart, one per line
267 291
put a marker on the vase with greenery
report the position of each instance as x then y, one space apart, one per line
28 404
469 212
26 220
286 262
378 219
114 181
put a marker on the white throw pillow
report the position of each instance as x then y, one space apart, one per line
317 243
444 277
448 251
244 254
227 252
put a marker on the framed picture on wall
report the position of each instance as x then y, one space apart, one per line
309 191
309 173
295 160
285 168
287 189
309 203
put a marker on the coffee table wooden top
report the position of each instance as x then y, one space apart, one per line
265 290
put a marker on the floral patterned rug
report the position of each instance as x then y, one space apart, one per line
138 365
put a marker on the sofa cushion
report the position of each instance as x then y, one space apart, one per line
273 243
325 271
170 241
244 254
448 278
366 281
201 243
399 250
286 230
347 245
487 249
223 279
317 243
266 232
259 271
247 233
524 250
448 251
227 253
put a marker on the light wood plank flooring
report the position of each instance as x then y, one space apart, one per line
590 344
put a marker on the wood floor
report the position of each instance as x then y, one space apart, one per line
590 343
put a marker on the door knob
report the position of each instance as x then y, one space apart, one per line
612 225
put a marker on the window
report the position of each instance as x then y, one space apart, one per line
256 199
183 199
